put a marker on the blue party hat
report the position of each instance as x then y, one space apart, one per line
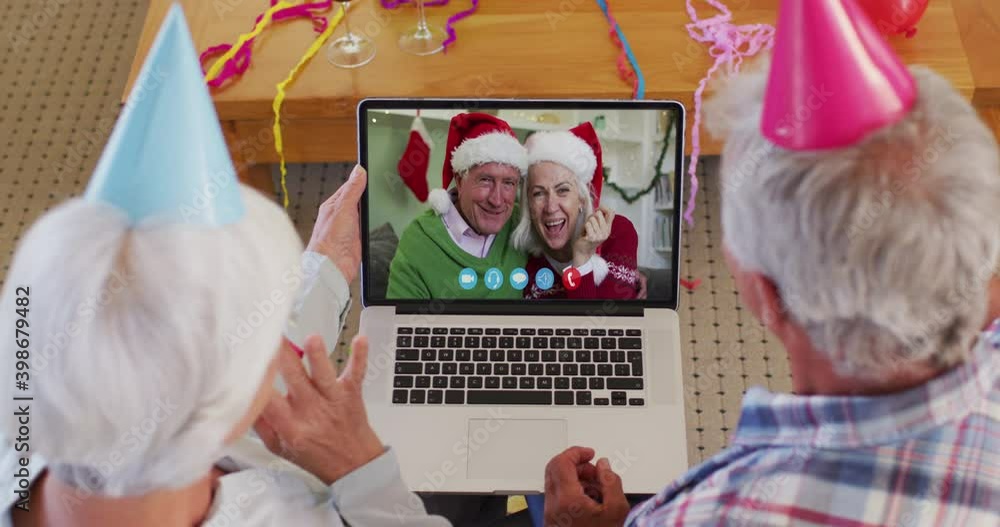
167 158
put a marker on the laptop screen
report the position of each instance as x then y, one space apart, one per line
521 201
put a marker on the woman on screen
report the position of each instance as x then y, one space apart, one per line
590 251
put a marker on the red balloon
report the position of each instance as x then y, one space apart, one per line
895 16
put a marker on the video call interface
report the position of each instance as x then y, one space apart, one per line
522 204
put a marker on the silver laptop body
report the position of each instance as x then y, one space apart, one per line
470 439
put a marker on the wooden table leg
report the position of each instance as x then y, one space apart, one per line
259 177
248 169
991 115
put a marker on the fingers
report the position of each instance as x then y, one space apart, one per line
599 216
324 375
613 495
607 217
578 454
586 472
355 185
593 228
560 473
268 435
351 190
357 361
277 415
291 369
609 213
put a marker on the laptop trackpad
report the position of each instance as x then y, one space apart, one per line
513 449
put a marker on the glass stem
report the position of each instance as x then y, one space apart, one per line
347 26
421 17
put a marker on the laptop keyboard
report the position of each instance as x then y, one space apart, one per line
514 366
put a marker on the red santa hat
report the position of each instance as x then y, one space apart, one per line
476 139
578 149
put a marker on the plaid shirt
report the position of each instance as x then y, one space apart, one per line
927 456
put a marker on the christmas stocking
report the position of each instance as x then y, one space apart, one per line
413 165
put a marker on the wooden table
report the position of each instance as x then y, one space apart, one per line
979 25
513 48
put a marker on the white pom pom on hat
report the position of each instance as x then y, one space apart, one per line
440 200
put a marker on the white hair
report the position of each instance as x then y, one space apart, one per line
882 250
525 239
148 342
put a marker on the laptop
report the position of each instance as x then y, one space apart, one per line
477 388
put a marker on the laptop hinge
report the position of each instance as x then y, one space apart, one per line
605 309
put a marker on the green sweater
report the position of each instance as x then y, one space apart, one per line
427 263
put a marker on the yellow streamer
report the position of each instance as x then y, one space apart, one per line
280 97
213 72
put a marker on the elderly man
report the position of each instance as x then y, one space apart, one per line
865 243
469 228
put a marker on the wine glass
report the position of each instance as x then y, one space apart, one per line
423 39
351 50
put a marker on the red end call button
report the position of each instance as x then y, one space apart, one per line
571 279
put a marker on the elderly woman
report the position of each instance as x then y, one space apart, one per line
560 228
151 362
152 313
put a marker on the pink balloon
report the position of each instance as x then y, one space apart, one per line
895 16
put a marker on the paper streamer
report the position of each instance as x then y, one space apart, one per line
279 98
236 57
729 44
449 26
454 19
638 81
393 4
690 285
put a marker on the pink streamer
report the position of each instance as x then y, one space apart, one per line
729 44
241 60
452 20
393 4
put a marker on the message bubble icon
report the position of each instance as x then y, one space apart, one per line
519 279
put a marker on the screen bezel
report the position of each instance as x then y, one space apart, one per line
544 307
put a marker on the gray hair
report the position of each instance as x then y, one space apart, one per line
883 250
150 341
525 239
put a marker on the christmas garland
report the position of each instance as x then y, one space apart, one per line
632 198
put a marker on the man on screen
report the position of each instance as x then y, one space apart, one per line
460 248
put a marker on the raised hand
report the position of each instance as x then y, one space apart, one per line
337 232
321 425
595 231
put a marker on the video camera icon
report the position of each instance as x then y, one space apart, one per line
467 278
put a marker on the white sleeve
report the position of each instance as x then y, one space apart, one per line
322 304
374 495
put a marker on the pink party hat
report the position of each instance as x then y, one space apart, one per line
833 78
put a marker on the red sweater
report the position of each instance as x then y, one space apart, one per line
615 269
